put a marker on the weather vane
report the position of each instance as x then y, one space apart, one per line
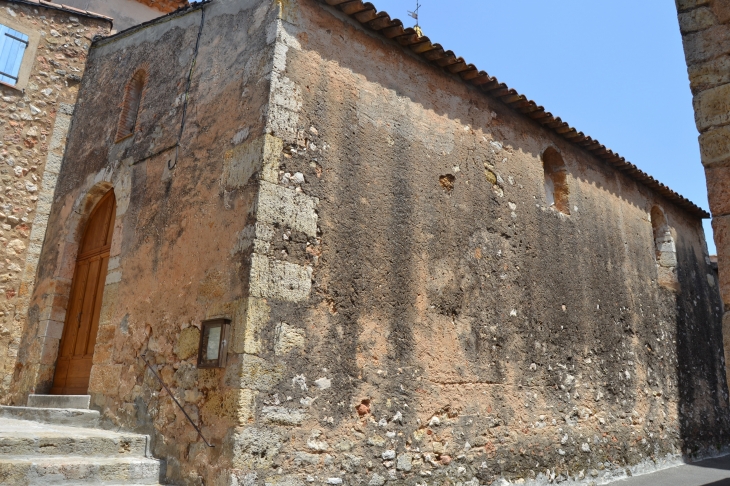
414 14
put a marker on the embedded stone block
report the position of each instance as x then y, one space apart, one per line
706 44
245 405
251 315
252 372
241 162
283 415
718 189
721 9
222 404
712 107
697 19
273 148
667 278
715 146
187 343
278 205
51 329
721 229
689 4
49 352
273 279
254 447
288 338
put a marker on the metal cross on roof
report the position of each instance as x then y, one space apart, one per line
414 14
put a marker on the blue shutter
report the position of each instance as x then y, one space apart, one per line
12 48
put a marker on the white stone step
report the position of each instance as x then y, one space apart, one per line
65 470
26 438
56 416
59 401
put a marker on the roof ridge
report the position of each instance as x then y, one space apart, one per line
367 15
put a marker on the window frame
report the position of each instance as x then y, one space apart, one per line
124 130
26 65
220 361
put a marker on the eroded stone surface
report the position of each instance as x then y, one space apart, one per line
706 52
406 304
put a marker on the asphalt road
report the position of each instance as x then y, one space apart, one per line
711 472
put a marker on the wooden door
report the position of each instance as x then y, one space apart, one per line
76 351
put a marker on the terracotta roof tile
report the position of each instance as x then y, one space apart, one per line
368 16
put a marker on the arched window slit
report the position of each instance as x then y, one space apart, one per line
131 105
556 180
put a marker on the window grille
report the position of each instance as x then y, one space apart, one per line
12 48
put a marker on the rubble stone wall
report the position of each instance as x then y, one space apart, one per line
34 122
705 27
459 329
406 303
184 228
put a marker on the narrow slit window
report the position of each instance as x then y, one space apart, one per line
131 104
666 253
12 48
556 180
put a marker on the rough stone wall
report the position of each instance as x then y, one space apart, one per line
34 122
458 329
406 305
184 226
705 27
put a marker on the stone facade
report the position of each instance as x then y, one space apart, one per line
34 121
424 285
705 27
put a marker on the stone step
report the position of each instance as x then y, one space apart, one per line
25 438
65 470
56 416
59 401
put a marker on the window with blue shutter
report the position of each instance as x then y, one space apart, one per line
12 48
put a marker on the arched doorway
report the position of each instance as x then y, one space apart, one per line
76 350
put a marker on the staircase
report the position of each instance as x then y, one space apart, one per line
55 440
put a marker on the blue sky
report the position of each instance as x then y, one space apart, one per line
613 69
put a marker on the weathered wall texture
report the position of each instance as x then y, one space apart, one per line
33 127
705 27
457 328
183 231
405 303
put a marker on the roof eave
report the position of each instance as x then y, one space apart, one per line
367 15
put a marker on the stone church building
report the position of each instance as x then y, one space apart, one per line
294 242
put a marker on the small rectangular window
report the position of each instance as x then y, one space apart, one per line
213 347
12 48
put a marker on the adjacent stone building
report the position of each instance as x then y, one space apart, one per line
45 47
128 13
355 258
705 27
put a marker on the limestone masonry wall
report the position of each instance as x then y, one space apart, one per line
459 329
34 121
182 237
705 27
413 297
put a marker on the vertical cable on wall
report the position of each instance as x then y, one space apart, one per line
187 88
